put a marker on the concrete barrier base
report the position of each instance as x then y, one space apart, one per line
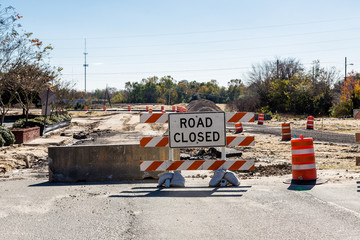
94 163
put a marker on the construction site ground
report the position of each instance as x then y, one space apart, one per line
31 207
335 159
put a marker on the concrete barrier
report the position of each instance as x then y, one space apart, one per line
93 163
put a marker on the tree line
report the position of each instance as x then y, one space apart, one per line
273 86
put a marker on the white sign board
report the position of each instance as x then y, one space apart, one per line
201 129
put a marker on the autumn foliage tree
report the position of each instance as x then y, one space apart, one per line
24 70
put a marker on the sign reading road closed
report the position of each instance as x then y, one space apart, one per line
201 129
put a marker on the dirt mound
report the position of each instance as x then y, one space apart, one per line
202 105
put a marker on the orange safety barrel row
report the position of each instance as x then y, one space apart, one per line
303 159
310 122
285 132
261 119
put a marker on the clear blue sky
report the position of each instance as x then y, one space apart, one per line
128 40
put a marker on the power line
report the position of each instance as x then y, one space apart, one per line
217 41
218 30
150 72
221 50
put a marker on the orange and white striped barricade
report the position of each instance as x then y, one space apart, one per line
104 108
129 108
357 140
310 123
261 119
234 117
231 165
285 132
151 117
229 117
210 131
231 141
238 127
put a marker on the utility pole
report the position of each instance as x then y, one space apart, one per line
85 65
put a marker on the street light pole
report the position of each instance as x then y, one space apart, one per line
345 67
85 65
351 100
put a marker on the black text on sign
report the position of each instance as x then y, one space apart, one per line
197 129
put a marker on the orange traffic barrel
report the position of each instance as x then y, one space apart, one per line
163 111
261 119
85 108
310 123
129 108
303 159
173 108
238 127
162 108
147 108
357 137
150 110
178 109
285 132
183 110
104 108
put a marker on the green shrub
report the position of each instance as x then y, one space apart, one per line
2 141
341 109
7 136
39 121
79 106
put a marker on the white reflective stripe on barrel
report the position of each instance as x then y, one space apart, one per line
302 151
304 166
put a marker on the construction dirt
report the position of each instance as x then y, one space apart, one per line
202 105
335 160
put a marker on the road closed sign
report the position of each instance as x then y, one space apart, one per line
201 129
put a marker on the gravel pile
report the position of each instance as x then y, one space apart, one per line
202 105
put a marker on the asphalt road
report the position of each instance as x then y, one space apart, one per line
36 209
315 134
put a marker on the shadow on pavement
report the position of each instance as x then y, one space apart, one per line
295 187
183 192
56 184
